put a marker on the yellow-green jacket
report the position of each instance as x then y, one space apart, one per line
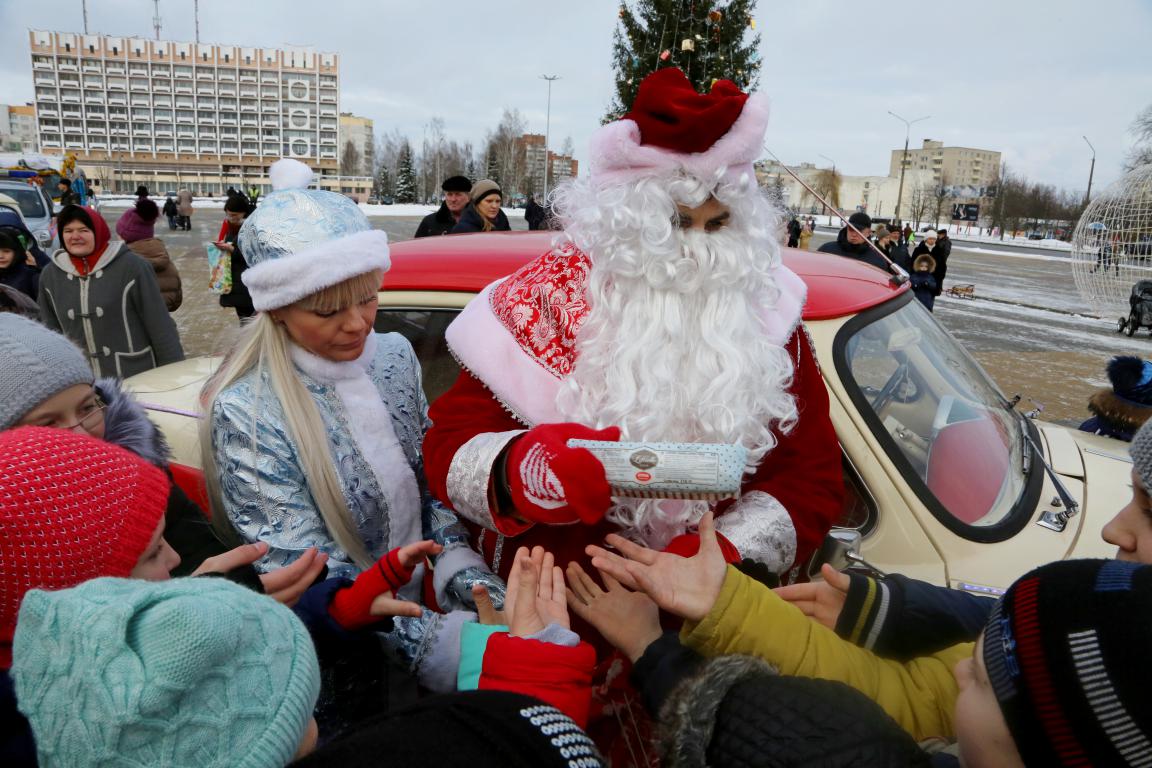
749 618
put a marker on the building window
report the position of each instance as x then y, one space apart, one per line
115 50
68 46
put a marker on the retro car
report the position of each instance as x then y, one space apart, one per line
946 481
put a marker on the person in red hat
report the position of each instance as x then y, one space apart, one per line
665 315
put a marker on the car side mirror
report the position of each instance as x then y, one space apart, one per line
841 550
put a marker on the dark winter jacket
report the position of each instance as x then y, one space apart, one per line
18 274
736 710
862 252
152 250
238 297
17 744
924 286
169 208
11 221
68 197
439 223
536 215
939 253
472 221
902 618
115 313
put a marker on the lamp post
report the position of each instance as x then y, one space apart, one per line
904 161
835 198
1091 170
547 130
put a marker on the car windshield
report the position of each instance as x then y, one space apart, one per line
30 200
951 427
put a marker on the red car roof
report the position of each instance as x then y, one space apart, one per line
836 286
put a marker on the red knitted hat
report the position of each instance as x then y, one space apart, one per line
672 127
72 508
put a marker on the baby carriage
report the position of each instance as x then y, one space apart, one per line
1141 308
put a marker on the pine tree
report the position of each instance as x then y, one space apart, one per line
405 176
707 39
383 184
492 170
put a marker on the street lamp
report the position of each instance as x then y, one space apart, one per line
1091 170
835 198
547 129
904 161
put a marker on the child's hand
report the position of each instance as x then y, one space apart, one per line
629 620
821 601
285 585
539 598
371 596
684 586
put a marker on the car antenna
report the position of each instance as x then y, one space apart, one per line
899 276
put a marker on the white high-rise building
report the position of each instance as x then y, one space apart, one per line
171 114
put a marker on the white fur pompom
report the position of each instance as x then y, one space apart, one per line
289 174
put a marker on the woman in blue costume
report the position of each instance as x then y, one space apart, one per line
314 422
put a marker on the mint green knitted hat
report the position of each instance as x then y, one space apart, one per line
191 672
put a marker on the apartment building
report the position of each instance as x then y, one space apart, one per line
174 114
560 167
358 132
952 166
18 128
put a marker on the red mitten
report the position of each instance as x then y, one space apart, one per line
554 484
688 544
350 607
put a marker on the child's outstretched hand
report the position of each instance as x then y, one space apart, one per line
371 596
285 585
540 597
821 601
684 586
629 620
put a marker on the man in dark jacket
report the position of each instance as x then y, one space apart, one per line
456 189
67 196
794 233
941 253
852 246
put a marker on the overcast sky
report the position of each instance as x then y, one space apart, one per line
1026 77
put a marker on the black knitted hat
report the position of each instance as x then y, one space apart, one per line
1067 653
736 711
456 184
477 729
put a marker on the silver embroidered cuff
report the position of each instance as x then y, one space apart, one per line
470 472
761 528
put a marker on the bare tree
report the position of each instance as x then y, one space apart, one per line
350 159
941 196
506 155
827 185
1141 152
568 148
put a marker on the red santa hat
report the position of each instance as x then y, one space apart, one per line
672 127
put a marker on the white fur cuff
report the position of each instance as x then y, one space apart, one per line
279 282
760 528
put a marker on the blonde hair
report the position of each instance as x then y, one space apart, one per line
265 346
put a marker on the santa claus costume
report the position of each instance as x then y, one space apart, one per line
639 325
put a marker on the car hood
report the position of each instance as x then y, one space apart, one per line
1100 468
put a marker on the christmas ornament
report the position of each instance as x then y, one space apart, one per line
752 22
688 45
622 11
635 61
665 55
715 16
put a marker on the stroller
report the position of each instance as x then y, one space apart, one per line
1140 314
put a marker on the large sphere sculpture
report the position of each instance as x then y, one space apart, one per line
1112 250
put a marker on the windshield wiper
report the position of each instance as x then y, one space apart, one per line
1056 518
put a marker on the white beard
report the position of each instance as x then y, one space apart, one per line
675 348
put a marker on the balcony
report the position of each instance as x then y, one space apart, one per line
207 136
183 88
328 98
227 121
226 76
267 78
228 90
118 100
249 137
205 74
45 80
186 148
184 104
272 124
207 120
67 67
114 69
328 84
205 90
183 75
96 144
185 119
138 71
162 87
326 112
139 87
166 131
50 143
248 121
43 65
184 133
251 151
247 78
162 101
248 93
117 86
93 98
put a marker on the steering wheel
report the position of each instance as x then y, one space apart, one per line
889 389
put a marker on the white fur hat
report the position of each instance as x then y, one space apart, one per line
300 241
671 127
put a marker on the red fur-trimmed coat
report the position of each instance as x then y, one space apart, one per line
517 342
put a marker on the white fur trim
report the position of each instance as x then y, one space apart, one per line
373 433
617 153
279 282
491 353
760 528
450 563
287 173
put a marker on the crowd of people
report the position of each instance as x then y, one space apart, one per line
365 579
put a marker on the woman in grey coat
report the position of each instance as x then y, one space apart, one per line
105 298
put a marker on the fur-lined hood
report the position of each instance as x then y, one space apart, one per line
922 258
127 425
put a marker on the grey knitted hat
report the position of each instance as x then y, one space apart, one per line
482 189
35 364
1141 453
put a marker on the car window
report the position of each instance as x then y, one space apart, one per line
940 418
30 200
424 329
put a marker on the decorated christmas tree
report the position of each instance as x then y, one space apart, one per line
707 40
405 176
